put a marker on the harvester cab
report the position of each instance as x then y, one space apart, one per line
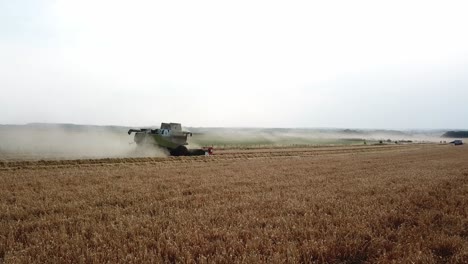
169 136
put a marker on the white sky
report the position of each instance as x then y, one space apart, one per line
357 64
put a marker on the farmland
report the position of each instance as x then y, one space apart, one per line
342 204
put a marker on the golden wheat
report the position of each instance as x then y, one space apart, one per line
347 206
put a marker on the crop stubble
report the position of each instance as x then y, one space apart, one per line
350 204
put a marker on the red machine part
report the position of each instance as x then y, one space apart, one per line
208 150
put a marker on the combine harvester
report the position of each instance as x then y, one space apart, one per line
457 142
171 137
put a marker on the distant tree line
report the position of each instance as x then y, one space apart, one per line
456 134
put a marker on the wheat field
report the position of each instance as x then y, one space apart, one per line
374 204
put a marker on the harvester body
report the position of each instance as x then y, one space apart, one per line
457 142
169 136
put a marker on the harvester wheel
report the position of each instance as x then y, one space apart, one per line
179 151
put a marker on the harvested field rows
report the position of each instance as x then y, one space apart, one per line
373 204
219 155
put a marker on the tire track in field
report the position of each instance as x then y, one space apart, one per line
314 149
217 157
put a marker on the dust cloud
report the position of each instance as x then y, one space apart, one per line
70 142
297 136
67 141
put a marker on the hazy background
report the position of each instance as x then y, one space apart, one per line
69 141
348 64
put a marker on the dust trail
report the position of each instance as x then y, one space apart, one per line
69 142
66 141
293 136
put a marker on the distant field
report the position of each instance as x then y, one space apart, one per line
347 204
254 141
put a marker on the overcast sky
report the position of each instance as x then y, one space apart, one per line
356 64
